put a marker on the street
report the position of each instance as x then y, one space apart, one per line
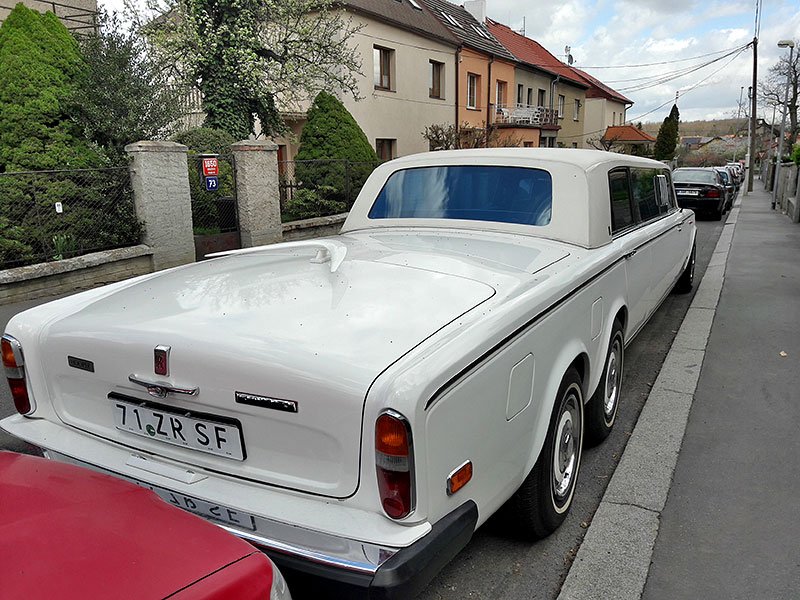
496 564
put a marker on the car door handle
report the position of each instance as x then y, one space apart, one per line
630 254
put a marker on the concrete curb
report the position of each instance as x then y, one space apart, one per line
614 558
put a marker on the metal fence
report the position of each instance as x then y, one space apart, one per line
317 188
214 208
52 215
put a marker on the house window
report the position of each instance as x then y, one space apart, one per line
576 112
382 63
500 98
520 93
385 148
473 83
574 144
613 118
541 98
436 80
530 96
561 101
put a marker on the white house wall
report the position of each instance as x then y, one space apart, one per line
402 113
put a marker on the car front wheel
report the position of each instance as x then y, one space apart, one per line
543 500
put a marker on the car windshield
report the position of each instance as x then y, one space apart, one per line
693 176
477 193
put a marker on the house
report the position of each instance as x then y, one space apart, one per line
78 16
486 75
627 139
408 78
604 107
546 87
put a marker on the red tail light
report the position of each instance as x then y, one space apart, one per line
394 462
15 373
713 193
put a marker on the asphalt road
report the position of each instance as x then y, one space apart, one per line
496 564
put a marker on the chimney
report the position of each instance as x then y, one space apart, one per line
477 8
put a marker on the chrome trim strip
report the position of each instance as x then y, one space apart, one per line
311 545
165 387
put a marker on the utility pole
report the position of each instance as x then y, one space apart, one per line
752 162
736 127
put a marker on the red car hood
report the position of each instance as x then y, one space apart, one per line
66 532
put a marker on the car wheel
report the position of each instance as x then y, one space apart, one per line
686 280
601 410
543 500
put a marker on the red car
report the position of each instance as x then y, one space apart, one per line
70 533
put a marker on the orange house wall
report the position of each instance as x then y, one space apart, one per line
471 61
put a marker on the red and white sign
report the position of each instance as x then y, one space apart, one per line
210 167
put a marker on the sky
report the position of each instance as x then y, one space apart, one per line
606 33
603 33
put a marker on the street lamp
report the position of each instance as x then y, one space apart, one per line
783 44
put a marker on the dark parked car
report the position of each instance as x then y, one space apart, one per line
730 186
700 189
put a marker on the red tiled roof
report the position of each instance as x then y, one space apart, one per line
598 89
532 53
626 134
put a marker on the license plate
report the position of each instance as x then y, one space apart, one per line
179 429
688 192
209 510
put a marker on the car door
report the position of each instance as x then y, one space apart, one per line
631 242
653 197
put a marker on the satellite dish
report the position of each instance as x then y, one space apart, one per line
570 60
567 49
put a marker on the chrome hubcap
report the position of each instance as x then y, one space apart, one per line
613 380
566 455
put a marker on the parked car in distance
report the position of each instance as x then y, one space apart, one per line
68 532
738 168
730 188
358 405
700 189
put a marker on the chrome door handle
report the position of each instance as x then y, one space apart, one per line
630 254
160 390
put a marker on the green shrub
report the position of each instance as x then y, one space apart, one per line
796 154
307 203
341 157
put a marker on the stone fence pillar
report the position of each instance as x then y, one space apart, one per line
257 192
160 181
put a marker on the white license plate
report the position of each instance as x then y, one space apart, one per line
205 435
688 192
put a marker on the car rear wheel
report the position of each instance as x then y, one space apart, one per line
601 410
543 500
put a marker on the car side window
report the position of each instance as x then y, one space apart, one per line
619 189
643 186
664 193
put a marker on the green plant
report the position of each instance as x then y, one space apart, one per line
307 203
64 246
796 154
126 91
334 152
246 53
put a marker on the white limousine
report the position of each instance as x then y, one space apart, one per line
358 405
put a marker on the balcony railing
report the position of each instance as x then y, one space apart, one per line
525 114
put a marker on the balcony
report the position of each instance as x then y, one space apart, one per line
516 115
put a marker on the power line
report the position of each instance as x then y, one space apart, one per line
670 101
665 62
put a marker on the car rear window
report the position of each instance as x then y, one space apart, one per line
477 193
693 177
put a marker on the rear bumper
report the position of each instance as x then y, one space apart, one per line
357 567
701 204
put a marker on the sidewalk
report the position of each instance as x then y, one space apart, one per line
709 483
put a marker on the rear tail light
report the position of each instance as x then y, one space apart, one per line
14 366
394 464
713 193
